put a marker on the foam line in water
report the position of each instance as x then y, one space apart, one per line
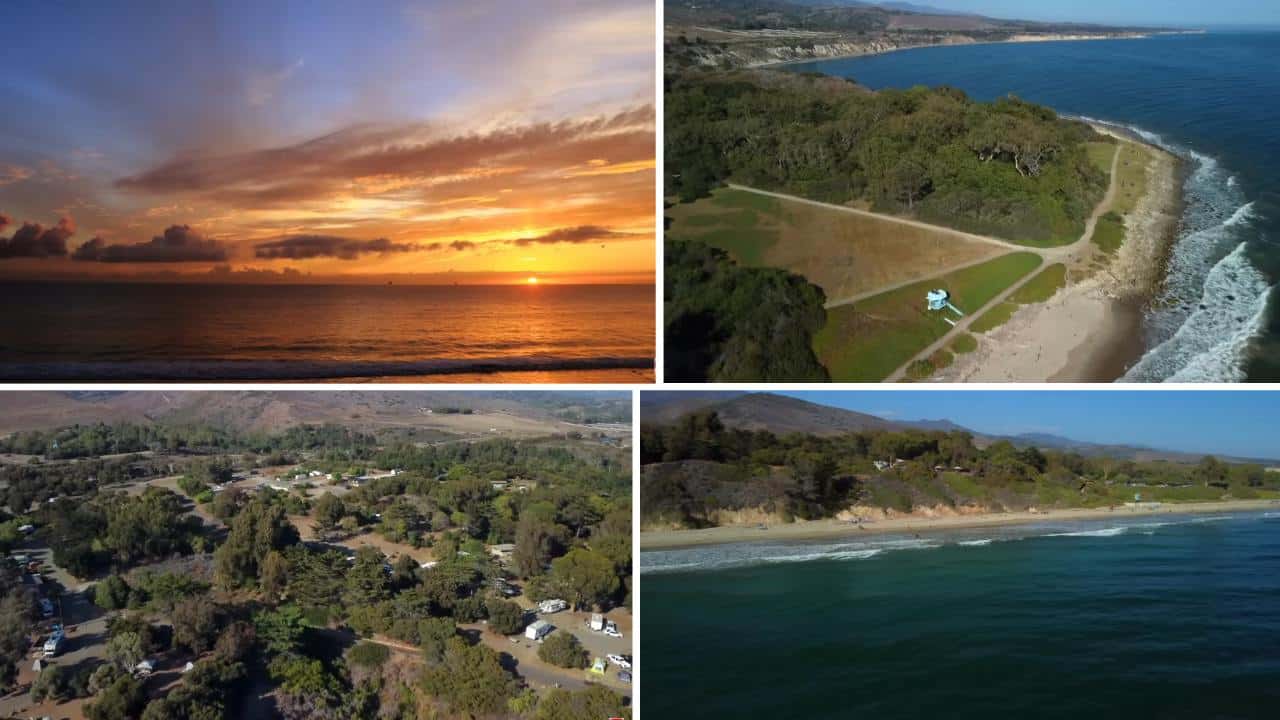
724 557
734 556
1213 301
1212 343
303 369
1101 532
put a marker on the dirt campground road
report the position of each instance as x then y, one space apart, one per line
543 675
524 660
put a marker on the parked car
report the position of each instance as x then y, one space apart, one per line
620 660
624 676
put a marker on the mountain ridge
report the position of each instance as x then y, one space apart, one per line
271 410
744 412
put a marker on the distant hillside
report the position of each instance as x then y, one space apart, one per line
664 406
738 33
697 473
272 410
778 414
783 414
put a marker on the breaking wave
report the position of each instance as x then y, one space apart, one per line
301 369
724 557
1213 301
744 555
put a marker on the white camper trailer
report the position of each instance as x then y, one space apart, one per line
552 606
538 630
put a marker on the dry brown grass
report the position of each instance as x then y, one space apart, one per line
843 253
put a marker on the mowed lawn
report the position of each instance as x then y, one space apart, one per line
1038 289
843 253
868 340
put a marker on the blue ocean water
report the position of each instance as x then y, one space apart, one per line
1171 617
1212 98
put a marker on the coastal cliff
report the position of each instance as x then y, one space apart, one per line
714 48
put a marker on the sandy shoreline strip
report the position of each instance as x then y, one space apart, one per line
825 529
1091 330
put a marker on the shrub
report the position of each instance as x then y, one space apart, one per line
563 649
505 617
368 655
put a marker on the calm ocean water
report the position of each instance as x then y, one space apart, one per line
1215 100
227 332
1154 618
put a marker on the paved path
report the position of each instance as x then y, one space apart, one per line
1048 254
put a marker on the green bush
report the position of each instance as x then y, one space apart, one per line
368 655
1008 168
563 650
505 617
728 323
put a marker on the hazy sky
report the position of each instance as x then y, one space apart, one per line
331 138
1223 422
1164 12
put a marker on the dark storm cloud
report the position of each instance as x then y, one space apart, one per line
301 247
573 235
178 244
34 240
324 165
570 235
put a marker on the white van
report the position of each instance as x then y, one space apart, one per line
538 629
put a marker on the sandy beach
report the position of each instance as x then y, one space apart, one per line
1091 330
833 528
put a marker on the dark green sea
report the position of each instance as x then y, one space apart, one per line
1175 617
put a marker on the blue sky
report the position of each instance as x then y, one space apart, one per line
1165 12
1241 423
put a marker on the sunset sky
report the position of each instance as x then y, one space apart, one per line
478 141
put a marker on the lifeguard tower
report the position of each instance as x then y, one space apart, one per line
940 300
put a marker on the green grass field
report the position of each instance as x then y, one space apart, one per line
1039 289
965 343
1131 177
1101 154
1108 235
742 224
868 340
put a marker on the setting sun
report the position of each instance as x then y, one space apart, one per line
532 281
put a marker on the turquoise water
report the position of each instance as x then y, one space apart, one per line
1215 100
1145 618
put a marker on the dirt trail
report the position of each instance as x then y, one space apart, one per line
878 216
